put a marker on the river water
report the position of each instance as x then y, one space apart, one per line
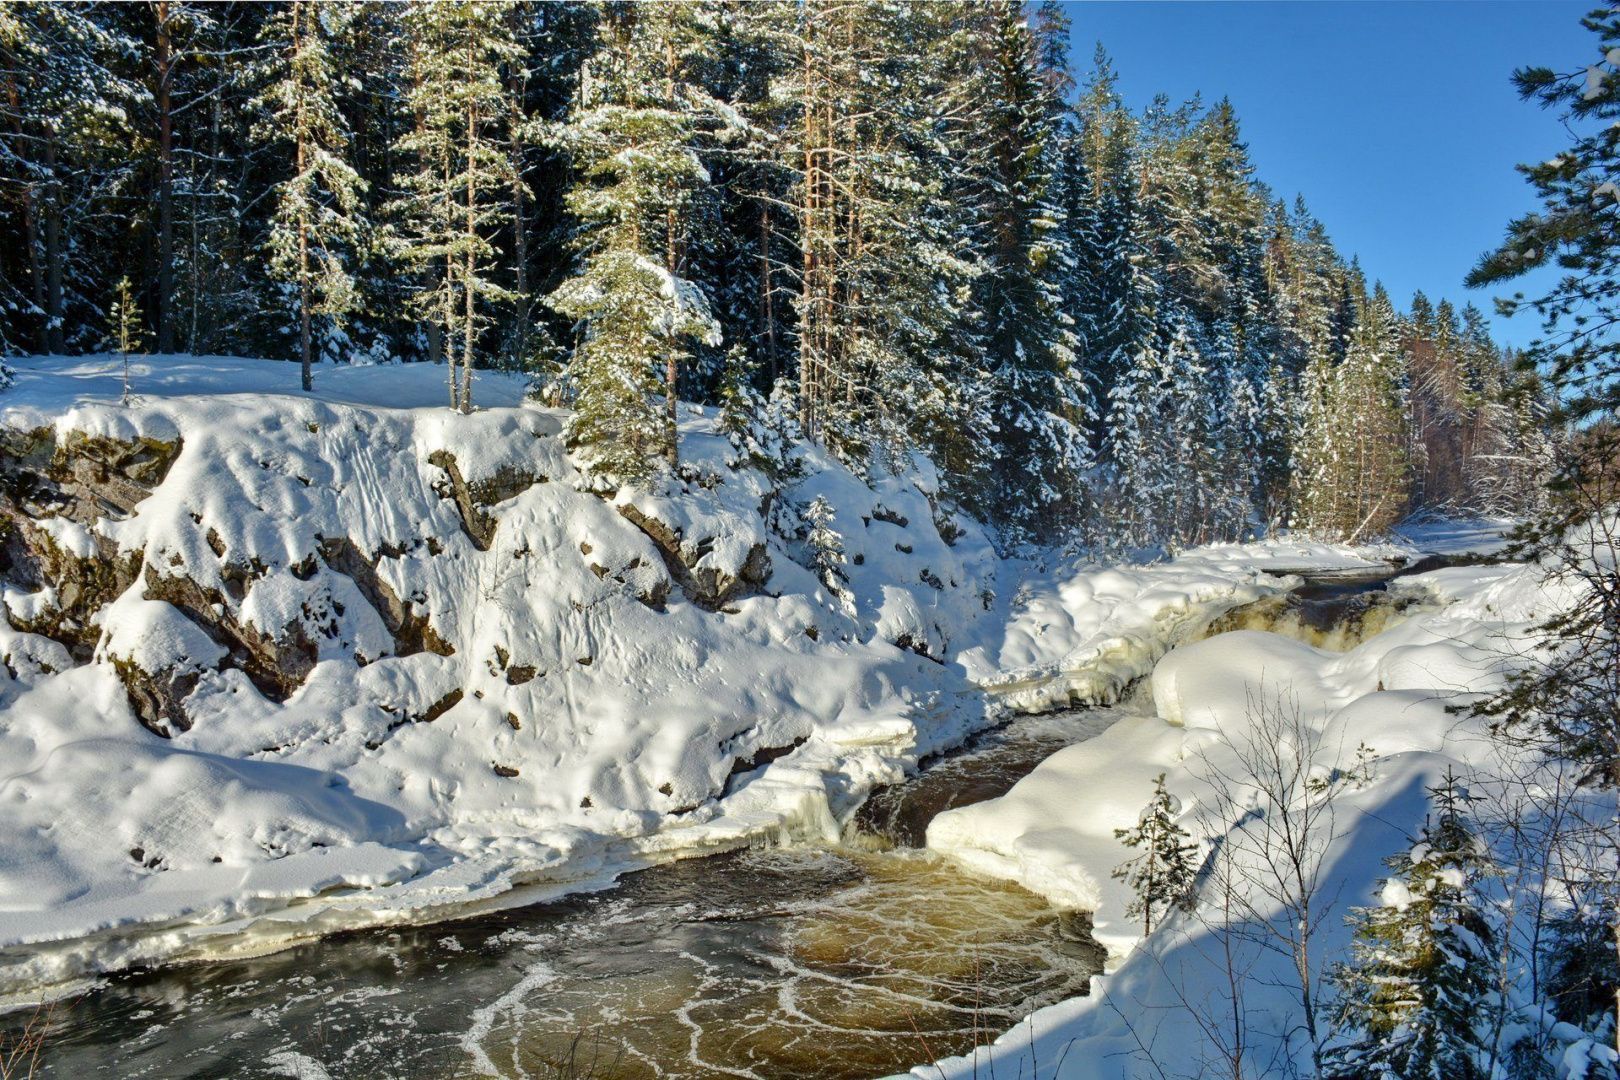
847 961
832 962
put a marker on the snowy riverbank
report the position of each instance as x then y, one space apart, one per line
279 664
1369 729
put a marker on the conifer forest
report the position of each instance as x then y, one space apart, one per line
914 227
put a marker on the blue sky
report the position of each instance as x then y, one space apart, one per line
1395 119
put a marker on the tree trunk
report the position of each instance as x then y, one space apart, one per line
472 237
766 315
672 264
520 232
165 299
303 221
808 322
53 247
36 276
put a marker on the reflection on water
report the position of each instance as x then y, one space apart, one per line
798 962
905 959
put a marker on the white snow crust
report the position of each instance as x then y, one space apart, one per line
1054 832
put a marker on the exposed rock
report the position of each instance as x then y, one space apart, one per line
439 708
706 586
158 700
413 632
471 499
79 479
276 662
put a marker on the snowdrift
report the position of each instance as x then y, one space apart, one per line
276 664
1377 725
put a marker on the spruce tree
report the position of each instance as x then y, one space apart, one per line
826 547
1041 407
317 221
1164 874
636 141
1421 966
1352 475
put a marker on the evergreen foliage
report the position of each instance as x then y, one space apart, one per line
317 216
1163 875
124 330
1421 967
636 139
826 546
455 199
1098 324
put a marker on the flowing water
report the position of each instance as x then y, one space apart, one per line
805 962
851 961
1330 611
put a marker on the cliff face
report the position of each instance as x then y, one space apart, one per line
349 643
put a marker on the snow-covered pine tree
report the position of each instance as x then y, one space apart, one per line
1162 432
1117 298
318 216
826 545
636 139
68 109
1164 874
458 194
124 330
1421 966
884 263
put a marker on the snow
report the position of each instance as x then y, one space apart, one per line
1054 831
604 719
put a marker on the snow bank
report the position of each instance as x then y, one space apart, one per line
277 664
1079 634
1054 831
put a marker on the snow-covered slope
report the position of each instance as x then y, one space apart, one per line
280 663
1219 705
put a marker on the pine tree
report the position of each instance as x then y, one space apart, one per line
457 197
317 222
1163 876
883 266
1163 429
636 142
124 330
1421 966
1352 465
67 109
1565 702
1009 148
1579 353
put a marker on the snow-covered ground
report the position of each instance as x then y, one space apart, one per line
408 664
1218 705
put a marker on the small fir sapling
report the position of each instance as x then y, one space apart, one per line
1163 875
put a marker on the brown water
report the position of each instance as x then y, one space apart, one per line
1336 613
842 962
